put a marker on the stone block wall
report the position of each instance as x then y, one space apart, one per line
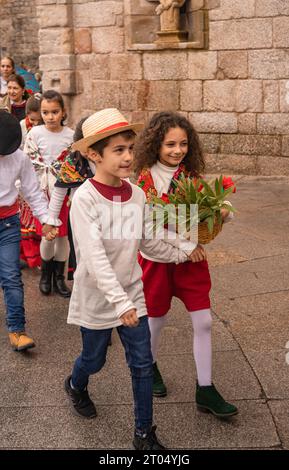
236 91
19 31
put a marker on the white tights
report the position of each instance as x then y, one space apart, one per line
57 249
202 345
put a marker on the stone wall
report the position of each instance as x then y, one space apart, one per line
236 92
19 31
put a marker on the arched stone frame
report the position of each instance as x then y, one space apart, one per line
142 25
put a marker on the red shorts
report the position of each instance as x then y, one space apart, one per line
190 282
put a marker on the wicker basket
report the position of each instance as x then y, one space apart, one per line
204 236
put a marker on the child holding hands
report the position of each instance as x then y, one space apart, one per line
107 216
15 165
44 144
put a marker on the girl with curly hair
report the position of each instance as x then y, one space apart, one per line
168 147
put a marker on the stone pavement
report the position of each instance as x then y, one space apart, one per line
250 299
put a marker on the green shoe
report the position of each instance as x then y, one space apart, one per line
209 400
159 388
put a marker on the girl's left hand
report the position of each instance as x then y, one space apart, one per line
224 213
198 254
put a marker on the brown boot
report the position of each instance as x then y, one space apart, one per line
20 341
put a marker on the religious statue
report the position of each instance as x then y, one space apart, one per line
169 11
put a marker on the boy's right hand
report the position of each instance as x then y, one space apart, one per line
130 318
198 254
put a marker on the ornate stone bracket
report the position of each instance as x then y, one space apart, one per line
146 30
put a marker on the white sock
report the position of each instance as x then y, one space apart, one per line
61 249
156 325
47 249
202 345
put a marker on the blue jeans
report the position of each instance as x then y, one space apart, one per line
137 346
10 274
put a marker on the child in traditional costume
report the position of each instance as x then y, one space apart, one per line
168 148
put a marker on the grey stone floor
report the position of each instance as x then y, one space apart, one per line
250 299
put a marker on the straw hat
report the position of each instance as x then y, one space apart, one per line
103 124
10 133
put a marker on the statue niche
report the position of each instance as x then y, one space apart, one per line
169 11
155 25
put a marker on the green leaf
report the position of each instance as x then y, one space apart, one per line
210 222
217 187
208 188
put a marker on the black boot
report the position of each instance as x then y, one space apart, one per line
46 276
147 441
59 285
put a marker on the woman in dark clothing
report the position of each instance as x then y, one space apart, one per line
17 95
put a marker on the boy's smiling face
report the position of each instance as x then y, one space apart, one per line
116 161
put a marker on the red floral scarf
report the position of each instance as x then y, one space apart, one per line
146 183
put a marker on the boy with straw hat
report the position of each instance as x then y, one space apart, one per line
107 225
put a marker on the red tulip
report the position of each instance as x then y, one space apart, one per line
228 183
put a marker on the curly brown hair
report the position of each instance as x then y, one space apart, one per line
149 142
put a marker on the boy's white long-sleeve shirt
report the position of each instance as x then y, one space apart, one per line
17 166
107 281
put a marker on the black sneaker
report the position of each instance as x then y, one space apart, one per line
147 441
80 401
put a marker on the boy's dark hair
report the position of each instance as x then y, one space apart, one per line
101 144
52 95
78 134
18 79
149 143
33 104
